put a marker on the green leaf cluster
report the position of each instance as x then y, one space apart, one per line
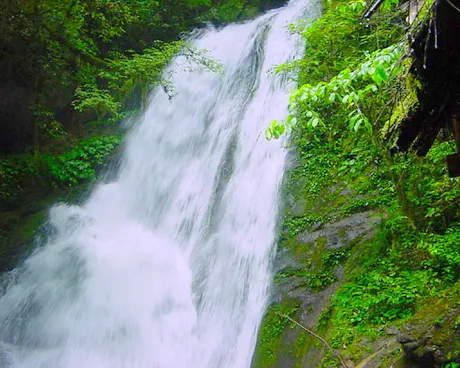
350 89
81 162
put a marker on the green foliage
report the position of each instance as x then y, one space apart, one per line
13 173
350 89
145 69
48 126
126 72
275 130
232 10
380 297
81 162
431 194
89 97
99 57
444 251
76 166
352 77
335 84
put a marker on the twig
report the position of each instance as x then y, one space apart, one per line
453 5
374 6
336 354
435 25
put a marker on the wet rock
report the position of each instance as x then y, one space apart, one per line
295 263
299 207
423 351
404 339
360 226
430 338
292 159
391 330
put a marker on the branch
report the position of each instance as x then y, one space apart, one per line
372 9
337 355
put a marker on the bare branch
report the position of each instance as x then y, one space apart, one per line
337 355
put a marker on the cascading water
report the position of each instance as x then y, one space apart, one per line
168 266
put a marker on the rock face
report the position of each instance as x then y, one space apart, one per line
421 351
319 240
348 230
432 337
313 266
307 276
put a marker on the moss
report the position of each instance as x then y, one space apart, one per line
318 249
407 103
271 331
300 349
299 250
438 317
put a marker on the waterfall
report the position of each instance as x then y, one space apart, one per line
168 266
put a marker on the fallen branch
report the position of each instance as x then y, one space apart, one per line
337 355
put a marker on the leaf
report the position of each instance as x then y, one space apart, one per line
382 73
377 79
268 134
372 87
353 121
358 124
354 96
368 125
280 128
353 113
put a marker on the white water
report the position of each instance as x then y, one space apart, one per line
168 266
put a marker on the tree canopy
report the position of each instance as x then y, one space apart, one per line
62 59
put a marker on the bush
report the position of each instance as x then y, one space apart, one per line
81 162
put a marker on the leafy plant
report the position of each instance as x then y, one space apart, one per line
351 89
80 163
13 173
89 97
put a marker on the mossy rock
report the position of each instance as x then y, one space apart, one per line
271 349
432 336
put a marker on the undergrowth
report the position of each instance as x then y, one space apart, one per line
341 117
77 165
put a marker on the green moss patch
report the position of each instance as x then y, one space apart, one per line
270 334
